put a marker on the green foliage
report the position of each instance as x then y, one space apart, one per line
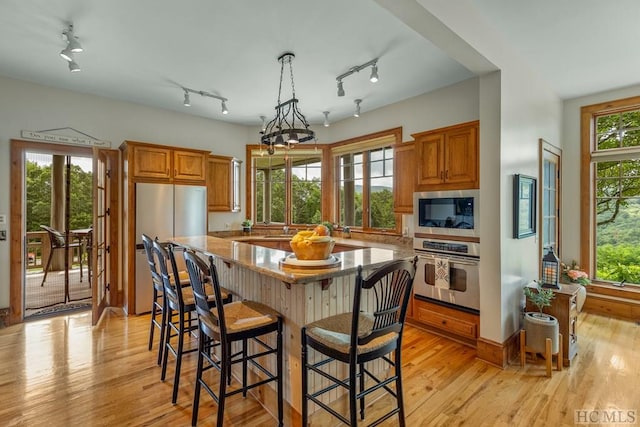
618 262
382 214
38 187
541 297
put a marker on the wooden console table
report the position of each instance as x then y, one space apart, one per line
564 308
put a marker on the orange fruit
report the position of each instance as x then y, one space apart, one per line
321 230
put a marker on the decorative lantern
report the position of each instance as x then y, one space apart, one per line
550 270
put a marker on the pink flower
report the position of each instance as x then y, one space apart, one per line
576 274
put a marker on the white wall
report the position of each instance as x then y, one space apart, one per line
571 163
27 106
450 105
528 110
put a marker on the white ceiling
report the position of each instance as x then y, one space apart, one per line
143 51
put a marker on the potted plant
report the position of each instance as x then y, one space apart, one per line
246 225
329 226
572 273
538 325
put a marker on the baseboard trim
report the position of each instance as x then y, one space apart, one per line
4 316
499 354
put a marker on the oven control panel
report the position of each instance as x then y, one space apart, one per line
447 246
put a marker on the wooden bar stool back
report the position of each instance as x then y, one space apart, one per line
359 337
244 322
157 305
179 304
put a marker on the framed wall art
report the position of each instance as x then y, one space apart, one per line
524 206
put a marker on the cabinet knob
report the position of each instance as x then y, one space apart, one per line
441 175
444 322
446 174
175 172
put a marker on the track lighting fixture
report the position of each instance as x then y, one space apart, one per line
74 67
73 46
264 122
357 112
326 118
289 123
187 101
372 78
374 73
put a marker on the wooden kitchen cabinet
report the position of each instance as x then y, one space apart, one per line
404 177
457 324
223 184
189 165
447 158
165 164
564 307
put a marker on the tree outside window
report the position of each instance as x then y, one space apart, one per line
617 196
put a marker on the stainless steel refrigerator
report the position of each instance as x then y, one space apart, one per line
165 211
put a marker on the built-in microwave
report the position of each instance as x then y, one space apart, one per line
449 213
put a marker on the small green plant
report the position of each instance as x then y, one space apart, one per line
247 223
329 225
541 298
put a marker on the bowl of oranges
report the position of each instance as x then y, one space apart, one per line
314 244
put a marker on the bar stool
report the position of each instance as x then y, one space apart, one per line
242 321
157 306
179 304
359 337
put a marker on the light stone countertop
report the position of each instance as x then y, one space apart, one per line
269 261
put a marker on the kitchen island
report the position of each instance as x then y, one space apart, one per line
302 295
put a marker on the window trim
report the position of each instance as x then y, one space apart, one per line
588 114
383 139
547 147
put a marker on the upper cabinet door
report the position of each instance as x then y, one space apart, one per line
447 158
404 177
189 165
461 156
219 184
430 156
151 162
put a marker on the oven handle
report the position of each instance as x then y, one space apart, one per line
452 260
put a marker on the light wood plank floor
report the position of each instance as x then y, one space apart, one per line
63 372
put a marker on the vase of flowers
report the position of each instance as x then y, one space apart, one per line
572 273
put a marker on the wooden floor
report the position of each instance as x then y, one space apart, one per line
63 372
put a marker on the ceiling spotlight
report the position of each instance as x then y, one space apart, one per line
326 118
187 101
72 41
224 108
340 88
374 73
66 54
357 112
74 67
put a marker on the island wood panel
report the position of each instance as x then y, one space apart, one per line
299 304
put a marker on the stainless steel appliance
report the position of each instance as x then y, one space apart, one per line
448 213
462 288
164 211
